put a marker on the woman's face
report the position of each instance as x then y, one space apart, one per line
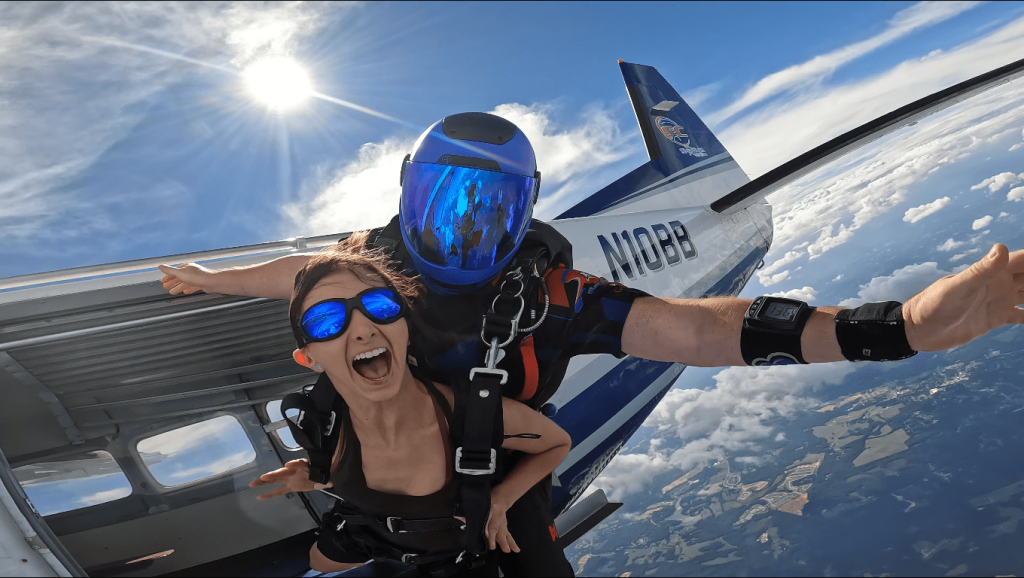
367 360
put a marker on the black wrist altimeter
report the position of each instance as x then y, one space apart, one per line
771 331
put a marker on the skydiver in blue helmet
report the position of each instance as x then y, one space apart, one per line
465 227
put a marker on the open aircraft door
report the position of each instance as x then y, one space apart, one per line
133 422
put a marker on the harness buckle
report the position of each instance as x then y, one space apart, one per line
409 559
330 425
390 524
498 372
476 471
515 275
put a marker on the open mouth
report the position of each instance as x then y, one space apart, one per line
374 365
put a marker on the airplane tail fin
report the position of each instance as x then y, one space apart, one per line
689 166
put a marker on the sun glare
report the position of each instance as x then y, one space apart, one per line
279 82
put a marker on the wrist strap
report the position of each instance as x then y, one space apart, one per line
873 332
764 347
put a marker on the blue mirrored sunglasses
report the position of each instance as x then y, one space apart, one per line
328 319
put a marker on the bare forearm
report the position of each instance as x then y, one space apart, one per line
273 279
527 473
706 332
321 563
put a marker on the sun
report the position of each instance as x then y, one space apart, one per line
279 82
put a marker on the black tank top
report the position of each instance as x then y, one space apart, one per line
350 485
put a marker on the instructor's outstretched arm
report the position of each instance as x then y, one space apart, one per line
950 312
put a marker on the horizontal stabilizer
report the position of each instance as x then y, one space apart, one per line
686 158
583 516
850 141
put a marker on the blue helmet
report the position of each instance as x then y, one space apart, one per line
468 191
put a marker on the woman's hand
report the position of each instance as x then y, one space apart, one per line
186 279
295 477
496 529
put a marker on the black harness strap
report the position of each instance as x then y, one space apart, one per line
480 430
396 525
357 540
316 427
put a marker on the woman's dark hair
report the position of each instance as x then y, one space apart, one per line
370 265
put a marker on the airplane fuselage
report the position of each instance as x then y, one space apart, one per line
683 252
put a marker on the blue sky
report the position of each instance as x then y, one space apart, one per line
128 132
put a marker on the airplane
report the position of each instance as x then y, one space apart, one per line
105 377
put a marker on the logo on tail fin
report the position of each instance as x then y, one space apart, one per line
677 134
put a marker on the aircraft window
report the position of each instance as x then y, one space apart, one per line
284 434
197 451
75 482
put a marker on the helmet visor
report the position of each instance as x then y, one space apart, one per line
464 218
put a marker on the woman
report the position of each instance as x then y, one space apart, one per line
394 455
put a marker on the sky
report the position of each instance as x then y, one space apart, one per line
128 130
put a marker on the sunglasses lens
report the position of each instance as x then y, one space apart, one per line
324 320
382 304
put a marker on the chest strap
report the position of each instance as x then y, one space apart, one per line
364 534
394 524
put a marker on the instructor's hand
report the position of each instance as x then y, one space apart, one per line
959 308
186 279
295 477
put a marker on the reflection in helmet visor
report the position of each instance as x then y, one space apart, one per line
464 218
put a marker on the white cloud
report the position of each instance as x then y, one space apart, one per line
193 437
832 203
787 127
630 473
994 183
765 274
959 256
1015 194
767 280
805 293
364 192
224 464
901 285
949 245
1003 215
103 496
827 240
906 21
566 157
915 214
735 417
1018 145
694 97
981 223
